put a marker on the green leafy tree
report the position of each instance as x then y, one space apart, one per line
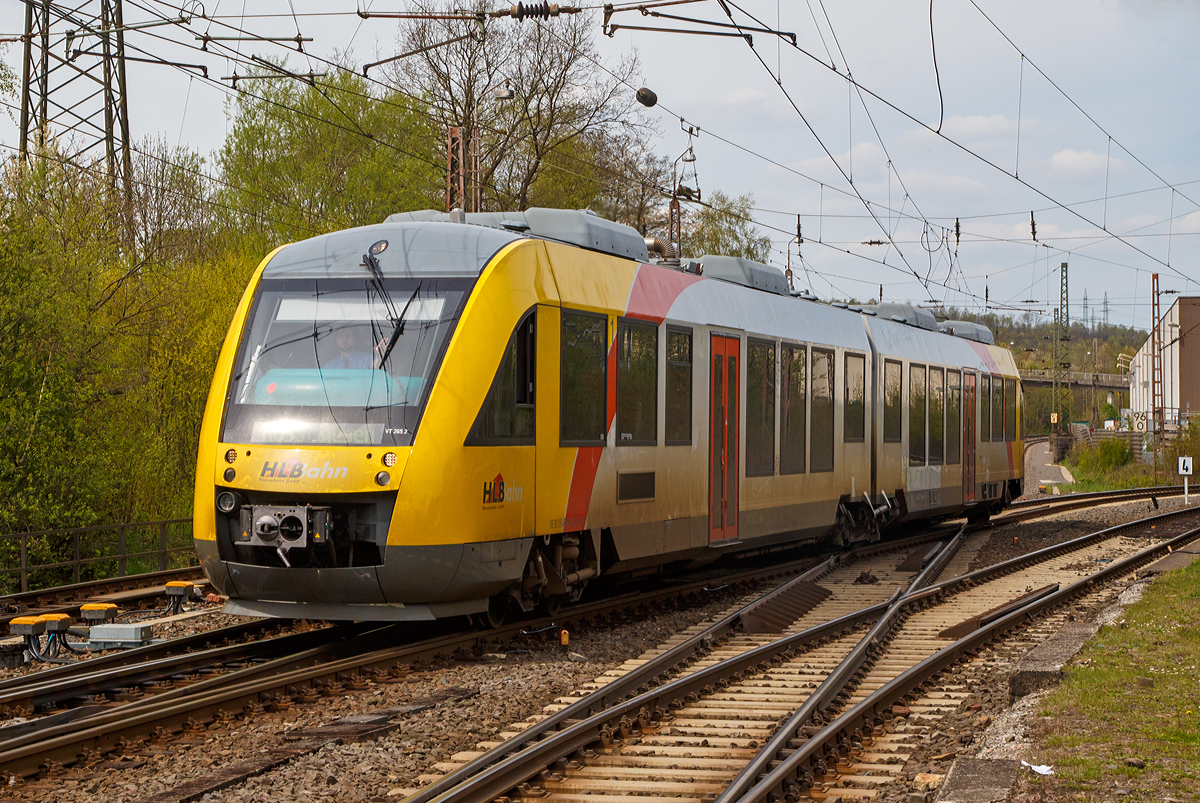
303 159
724 226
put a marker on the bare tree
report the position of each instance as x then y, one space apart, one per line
563 92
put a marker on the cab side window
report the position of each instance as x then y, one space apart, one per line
507 415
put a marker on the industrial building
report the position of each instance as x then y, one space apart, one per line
1179 336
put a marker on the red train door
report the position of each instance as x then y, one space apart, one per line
723 439
970 409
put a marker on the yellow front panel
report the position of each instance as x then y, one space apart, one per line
203 513
451 493
320 469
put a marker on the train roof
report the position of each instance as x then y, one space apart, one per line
580 227
432 242
444 249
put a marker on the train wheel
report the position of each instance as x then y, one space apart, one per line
499 610
552 603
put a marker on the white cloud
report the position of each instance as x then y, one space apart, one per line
1080 164
977 126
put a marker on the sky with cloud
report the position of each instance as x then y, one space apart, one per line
1084 114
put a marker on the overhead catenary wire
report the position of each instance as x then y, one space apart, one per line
837 189
984 160
825 148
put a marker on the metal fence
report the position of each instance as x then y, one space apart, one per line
78 554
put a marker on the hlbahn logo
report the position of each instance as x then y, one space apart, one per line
496 492
295 470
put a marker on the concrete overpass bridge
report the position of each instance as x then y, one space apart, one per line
1040 378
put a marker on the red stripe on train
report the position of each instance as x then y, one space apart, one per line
653 292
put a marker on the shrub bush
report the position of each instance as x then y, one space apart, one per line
1102 458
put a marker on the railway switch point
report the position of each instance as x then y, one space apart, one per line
98 611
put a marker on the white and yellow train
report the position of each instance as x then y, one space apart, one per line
445 415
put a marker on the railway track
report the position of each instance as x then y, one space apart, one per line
172 689
762 718
135 589
170 696
129 590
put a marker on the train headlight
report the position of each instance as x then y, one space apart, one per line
227 502
229 474
383 478
389 459
231 456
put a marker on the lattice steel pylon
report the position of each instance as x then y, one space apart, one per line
1062 361
462 171
73 81
1156 370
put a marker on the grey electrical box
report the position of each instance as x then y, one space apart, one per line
115 636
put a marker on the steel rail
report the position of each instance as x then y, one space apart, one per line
918 594
63 673
102 730
823 697
795 770
640 679
88 679
299 670
512 770
63 741
1100 496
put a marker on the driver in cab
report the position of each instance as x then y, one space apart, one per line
350 354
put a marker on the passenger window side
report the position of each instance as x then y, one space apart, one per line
760 408
953 417
916 415
584 380
997 408
637 383
679 386
985 407
893 403
823 383
793 420
855 425
1010 409
507 415
937 416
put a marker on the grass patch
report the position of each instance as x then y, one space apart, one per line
1099 716
1107 465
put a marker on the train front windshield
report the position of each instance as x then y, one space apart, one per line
342 362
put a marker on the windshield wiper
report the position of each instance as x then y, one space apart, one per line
372 263
399 327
